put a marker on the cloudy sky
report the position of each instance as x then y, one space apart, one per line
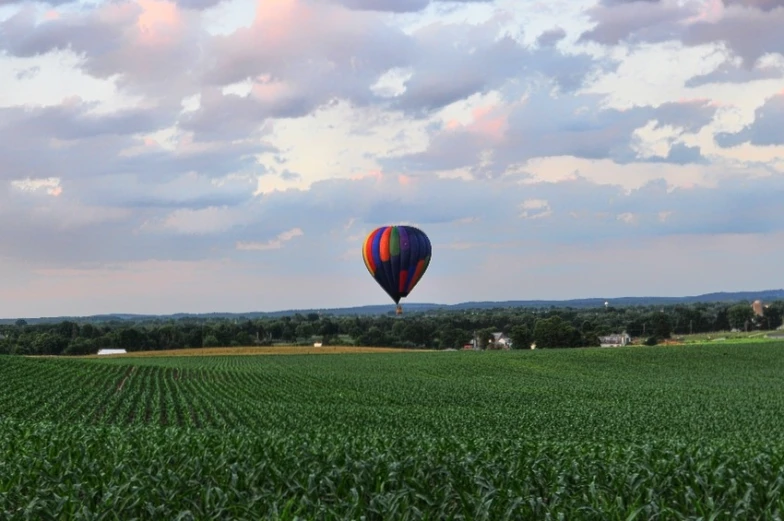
162 156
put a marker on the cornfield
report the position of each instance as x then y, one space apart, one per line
635 433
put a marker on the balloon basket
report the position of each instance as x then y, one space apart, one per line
399 310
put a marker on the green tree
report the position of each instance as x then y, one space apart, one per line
485 337
774 314
721 321
81 346
555 332
662 327
211 341
373 337
242 338
521 337
49 344
131 339
740 316
304 330
450 337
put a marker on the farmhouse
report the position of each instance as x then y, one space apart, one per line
111 351
501 341
615 340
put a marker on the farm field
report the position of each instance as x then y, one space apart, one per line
678 432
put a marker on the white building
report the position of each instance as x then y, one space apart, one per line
615 340
111 351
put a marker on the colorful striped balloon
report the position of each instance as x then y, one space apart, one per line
397 257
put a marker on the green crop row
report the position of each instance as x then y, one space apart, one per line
71 471
731 392
634 433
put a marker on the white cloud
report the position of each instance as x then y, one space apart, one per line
51 185
274 244
535 209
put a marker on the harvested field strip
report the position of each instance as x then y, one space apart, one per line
244 351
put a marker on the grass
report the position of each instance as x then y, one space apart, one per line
727 336
676 432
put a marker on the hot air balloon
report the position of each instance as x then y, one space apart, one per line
397 257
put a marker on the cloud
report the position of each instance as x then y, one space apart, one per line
456 62
551 37
542 126
570 213
51 185
343 53
74 120
72 140
747 28
681 154
751 32
147 46
274 244
148 139
395 6
765 130
732 71
644 20
535 209
398 6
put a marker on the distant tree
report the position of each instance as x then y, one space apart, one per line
304 330
722 321
275 329
740 316
211 341
81 346
662 327
774 314
289 333
374 337
89 331
49 344
131 339
242 338
549 327
521 337
485 337
453 337
554 332
328 327
635 327
68 329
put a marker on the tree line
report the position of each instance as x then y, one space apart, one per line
546 327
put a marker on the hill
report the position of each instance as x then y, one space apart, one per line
380 309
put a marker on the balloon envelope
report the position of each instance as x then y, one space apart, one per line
397 257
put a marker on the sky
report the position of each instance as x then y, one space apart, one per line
163 156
